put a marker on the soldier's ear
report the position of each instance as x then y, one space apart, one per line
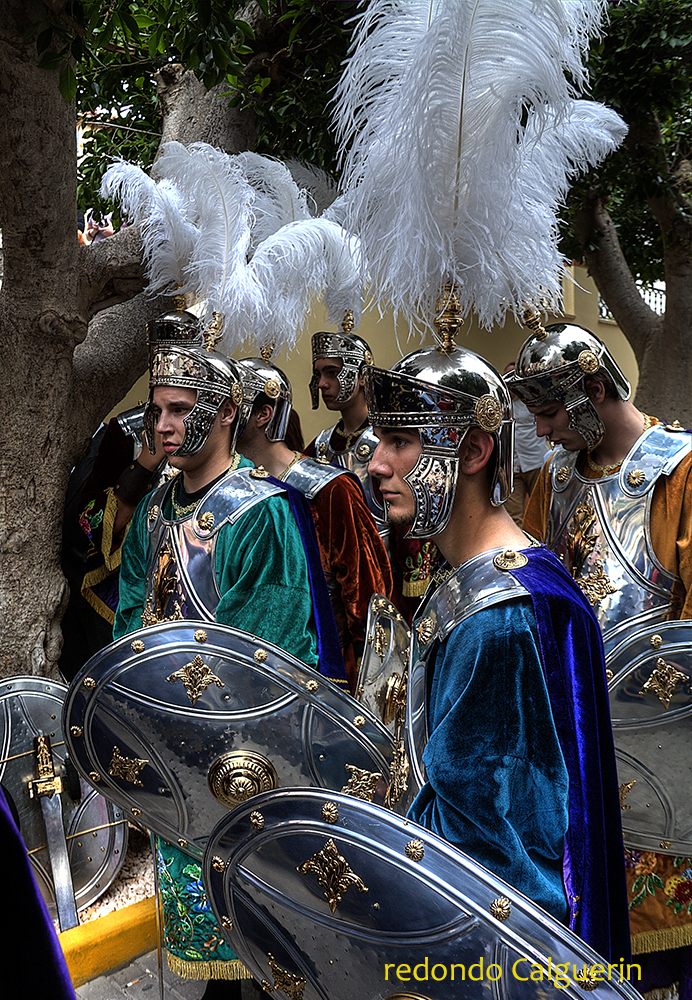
595 389
476 451
263 415
227 412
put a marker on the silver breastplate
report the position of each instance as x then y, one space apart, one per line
181 576
474 586
356 459
601 531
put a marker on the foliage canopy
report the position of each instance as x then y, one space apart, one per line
110 50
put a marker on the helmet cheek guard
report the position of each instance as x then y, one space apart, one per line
443 394
314 392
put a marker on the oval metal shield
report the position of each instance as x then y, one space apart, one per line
322 896
179 723
651 711
95 832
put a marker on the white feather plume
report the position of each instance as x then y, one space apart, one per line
169 238
432 105
296 266
278 199
257 258
220 206
131 187
320 186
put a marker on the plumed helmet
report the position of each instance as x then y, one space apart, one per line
258 376
443 392
213 376
354 352
553 364
173 328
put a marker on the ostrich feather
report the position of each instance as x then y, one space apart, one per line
220 202
131 187
320 186
431 110
256 256
278 199
169 240
300 263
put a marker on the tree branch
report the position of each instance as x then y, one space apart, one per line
111 271
593 227
112 357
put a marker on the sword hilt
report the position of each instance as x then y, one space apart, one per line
46 782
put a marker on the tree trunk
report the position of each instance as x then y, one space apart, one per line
70 351
662 345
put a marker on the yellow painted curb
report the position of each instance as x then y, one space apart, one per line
110 942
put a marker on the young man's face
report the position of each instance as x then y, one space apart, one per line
170 406
328 369
552 421
395 456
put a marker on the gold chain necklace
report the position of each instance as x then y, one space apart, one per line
349 438
606 470
184 511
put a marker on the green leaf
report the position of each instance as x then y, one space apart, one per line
51 60
68 83
43 40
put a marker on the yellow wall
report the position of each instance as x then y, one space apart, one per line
498 346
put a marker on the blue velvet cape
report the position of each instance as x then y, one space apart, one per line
572 655
497 825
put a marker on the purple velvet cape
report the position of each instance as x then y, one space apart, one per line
574 667
34 964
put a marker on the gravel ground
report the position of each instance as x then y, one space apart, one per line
134 881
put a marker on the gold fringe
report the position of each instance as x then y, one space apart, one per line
665 993
207 970
662 939
414 588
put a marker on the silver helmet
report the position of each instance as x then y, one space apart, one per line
257 376
443 392
554 363
173 328
354 352
214 378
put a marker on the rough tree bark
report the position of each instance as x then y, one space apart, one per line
72 323
662 344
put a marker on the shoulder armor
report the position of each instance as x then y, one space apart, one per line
323 452
364 446
227 501
562 466
310 476
657 453
474 586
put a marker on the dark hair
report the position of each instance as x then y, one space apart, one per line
610 390
294 434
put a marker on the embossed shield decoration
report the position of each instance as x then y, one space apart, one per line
177 725
338 899
95 830
651 710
